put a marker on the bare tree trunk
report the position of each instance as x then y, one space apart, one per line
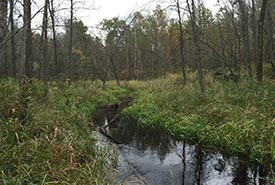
222 42
70 66
196 40
28 39
259 67
3 32
114 69
245 36
183 63
44 44
233 35
270 37
128 60
237 46
12 41
254 32
55 59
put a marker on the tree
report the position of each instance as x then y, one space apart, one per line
245 35
70 46
196 40
44 45
27 39
12 41
183 64
55 59
3 32
254 32
115 29
270 40
259 67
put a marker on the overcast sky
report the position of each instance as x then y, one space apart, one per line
111 8
95 10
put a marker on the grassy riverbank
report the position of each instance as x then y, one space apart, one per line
45 137
236 118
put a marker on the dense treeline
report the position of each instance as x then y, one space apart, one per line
239 39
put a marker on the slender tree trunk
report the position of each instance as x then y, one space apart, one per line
231 43
238 45
222 43
128 60
259 68
245 36
28 39
44 44
71 41
183 63
196 40
114 70
3 32
254 32
55 59
12 41
270 37
136 48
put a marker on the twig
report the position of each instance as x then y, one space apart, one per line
17 31
112 121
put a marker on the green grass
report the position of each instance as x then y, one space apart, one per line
235 118
46 135
46 132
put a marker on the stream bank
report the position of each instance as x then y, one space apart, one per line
147 155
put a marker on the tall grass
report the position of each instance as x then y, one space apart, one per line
46 135
236 118
45 131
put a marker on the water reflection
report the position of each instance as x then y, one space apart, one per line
161 159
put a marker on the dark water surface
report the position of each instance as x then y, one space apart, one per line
162 160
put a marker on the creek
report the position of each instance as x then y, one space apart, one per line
148 155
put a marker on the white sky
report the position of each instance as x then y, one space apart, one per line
94 11
107 9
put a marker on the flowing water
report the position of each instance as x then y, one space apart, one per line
149 156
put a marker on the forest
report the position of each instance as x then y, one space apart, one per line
200 77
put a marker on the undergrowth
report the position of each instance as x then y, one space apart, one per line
236 118
45 132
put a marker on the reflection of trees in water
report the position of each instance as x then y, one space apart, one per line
240 173
263 172
184 163
244 173
199 167
126 131
195 169
193 164
199 164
